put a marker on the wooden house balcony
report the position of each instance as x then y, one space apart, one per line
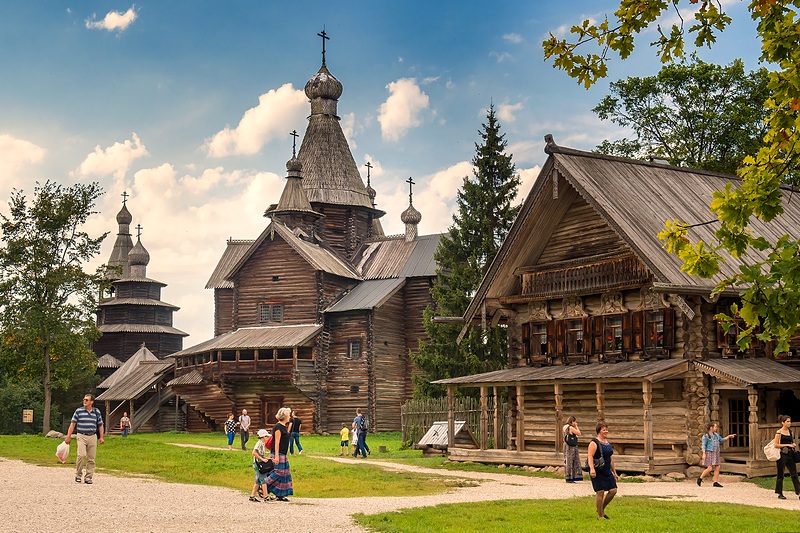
602 274
274 365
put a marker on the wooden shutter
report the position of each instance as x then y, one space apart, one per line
637 339
587 335
669 328
598 325
551 338
526 340
627 337
561 334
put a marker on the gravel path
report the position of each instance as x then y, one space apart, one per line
45 499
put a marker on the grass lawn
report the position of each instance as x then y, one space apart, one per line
153 454
627 514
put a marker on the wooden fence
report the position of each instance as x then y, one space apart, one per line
417 416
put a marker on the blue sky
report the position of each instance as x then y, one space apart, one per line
188 107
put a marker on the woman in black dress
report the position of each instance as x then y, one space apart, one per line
784 441
604 478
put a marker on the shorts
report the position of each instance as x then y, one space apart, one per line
344 443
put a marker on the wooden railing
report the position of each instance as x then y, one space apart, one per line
600 275
766 432
417 416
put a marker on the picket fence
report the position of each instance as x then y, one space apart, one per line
417 416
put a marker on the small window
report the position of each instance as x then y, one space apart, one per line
575 337
654 329
270 313
539 340
354 349
613 334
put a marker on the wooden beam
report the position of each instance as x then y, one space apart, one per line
496 418
520 418
484 438
451 416
600 392
752 398
714 399
558 394
647 396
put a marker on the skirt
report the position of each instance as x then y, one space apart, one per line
712 457
279 481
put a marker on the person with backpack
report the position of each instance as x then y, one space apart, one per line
361 427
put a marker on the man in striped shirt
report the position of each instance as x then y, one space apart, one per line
87 423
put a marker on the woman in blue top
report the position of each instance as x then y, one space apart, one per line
711 446
604 478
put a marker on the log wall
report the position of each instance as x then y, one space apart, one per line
347 385
391 364
295 287
223 311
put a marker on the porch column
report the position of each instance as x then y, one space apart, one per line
647 396
451 416
177 410
520 418
600 392
752 398
484 417
497 414
713 415
559 397
131 415
108 416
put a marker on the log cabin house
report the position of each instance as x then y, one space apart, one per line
603 324
321 311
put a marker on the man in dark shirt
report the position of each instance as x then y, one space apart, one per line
89 425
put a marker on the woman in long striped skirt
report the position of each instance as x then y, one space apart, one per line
279 481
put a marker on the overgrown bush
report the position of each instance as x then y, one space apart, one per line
16 397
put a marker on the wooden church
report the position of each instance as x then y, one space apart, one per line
604 325
321 311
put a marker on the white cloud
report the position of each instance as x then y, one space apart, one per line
401 111
17 156
278 112
515 38
113 21
505 112
527 177
348 123
114 160
501 56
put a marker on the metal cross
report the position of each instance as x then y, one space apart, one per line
294 141
410 186
324 38
369 166
138 231
124 197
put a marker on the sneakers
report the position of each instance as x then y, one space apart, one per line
253 499
717 485
781 497
78 479
699 482
87 481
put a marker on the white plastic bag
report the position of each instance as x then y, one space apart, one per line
62 451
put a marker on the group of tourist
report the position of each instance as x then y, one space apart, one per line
275 483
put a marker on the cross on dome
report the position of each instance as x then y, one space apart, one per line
324 38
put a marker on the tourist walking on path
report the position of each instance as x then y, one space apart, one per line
244 428
230 430
294 434
602 470
87 422
360 427
572 455
125 424
279 481
784 441
260 453
711 456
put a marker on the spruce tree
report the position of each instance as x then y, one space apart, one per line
484 216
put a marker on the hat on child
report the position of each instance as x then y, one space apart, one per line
262 433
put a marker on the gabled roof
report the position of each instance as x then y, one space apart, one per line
232 254
260 337
137 382
393 257
318 257
142 354
635 198
108 361
368 295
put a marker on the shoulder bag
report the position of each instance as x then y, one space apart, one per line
599 460
265 467
772 453
571 439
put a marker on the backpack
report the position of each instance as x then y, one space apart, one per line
363 427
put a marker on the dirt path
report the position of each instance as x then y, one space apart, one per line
44 499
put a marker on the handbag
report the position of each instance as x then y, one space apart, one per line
265 467
772 453
599 462
571 439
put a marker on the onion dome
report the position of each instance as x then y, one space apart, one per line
372 194
294 165
323 85
124 216
411 216
138 256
